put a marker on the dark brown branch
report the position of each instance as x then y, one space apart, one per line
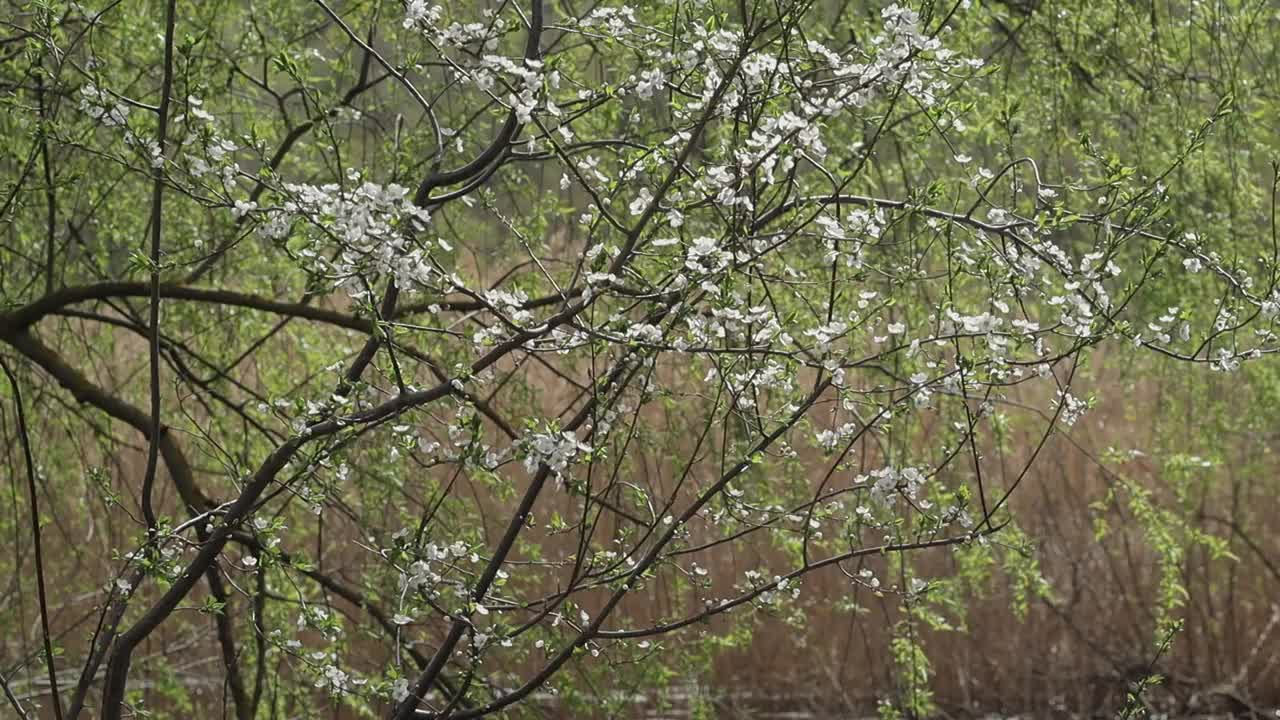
13 700
500 144
22 318
157 228
227 642
25 439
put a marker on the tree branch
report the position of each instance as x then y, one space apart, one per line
25 439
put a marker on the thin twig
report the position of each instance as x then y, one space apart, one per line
25 439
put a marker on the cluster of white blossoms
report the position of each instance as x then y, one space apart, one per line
555 450
425 18
750 384
422 576
1070 408
650 82
113 112
704 256
376 230
103 107
829 439
898 60
613 20
887 481
737 322
335 680
900 57
846 241
526 77
516 81
419 12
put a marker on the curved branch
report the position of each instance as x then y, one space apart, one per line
509 128
22 318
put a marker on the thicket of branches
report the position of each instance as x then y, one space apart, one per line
416 348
